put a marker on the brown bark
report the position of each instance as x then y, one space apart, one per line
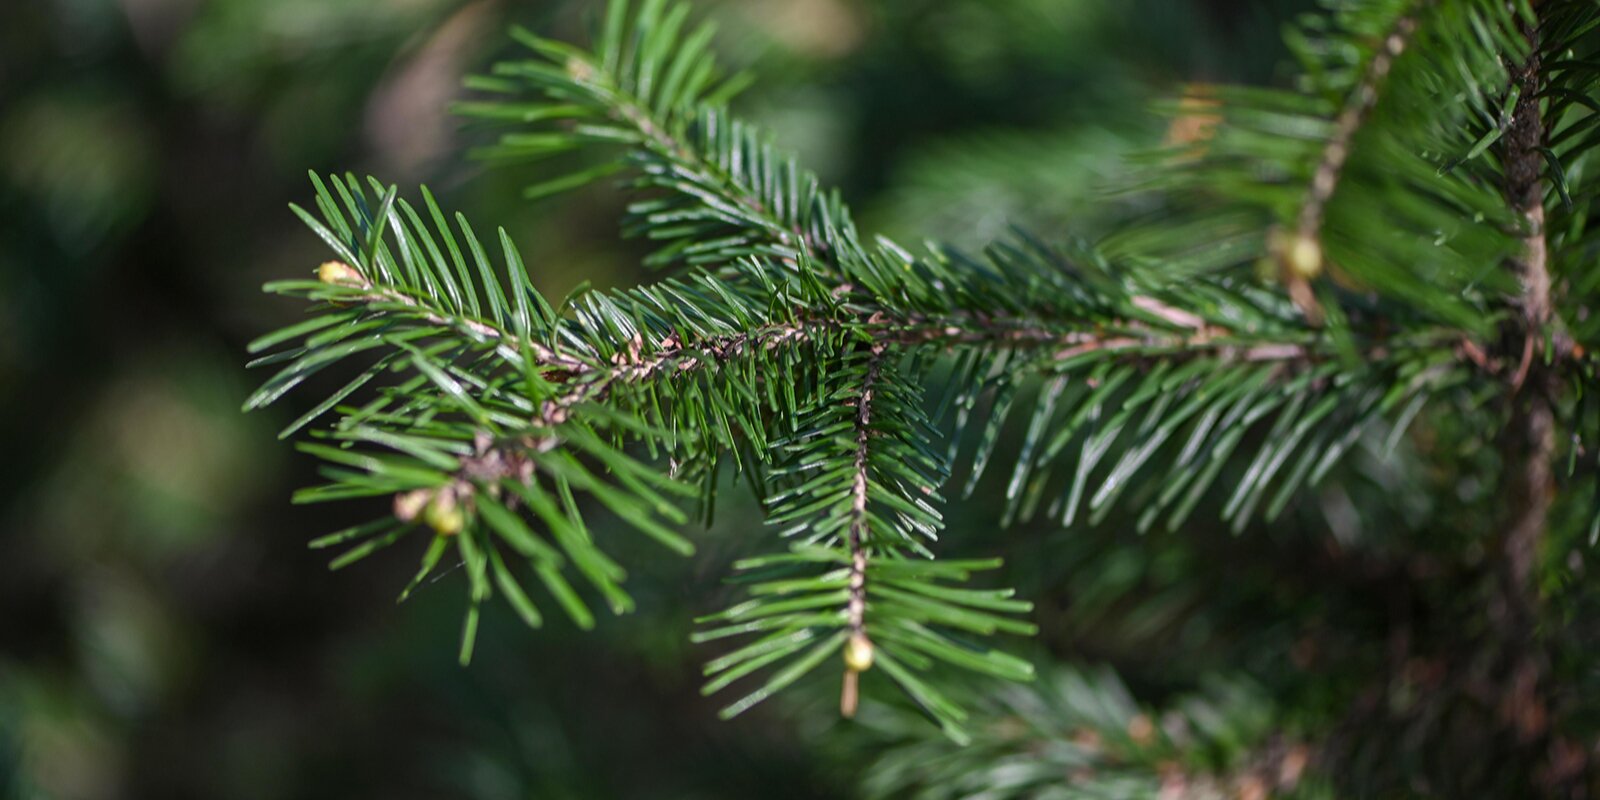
1529 443
1525 708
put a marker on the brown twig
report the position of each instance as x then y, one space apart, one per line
1358 106
1301 255
856 607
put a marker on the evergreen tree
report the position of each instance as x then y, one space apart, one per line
1359 303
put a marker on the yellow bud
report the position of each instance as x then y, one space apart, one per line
1301 256
443 515
858 653
339 273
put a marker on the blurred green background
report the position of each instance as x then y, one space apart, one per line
165 633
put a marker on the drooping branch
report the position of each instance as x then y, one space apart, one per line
858 655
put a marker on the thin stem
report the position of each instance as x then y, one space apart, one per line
855 611
670 357
856 607
1301 254
1358 106
387 294
1193 336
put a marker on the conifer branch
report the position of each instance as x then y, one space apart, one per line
341 274
1325 177
856 607
800 351
1300 180
1301 258
672 356
1079 735
727 188
711 188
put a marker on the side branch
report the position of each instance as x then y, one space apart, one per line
1136 330
858 653
338 273
504 459
655 133
1325 180
1300 255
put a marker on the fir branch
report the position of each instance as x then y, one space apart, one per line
340 273
712 188
856 608
786 232
673 355
800 351
1325 176
506 410
1350 179
1301 258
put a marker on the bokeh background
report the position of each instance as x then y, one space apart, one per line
165 633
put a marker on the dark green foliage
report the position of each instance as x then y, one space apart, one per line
1086 726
